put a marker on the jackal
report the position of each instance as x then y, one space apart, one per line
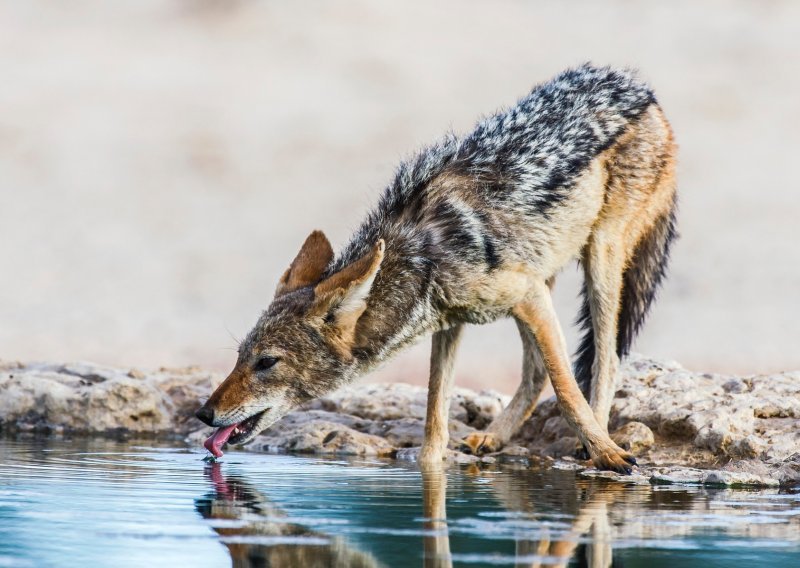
472 229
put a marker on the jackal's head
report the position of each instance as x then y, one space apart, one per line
301 347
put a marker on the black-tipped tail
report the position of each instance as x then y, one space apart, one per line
640 283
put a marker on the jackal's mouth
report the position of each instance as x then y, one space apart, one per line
238 433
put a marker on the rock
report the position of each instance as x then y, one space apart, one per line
401 433
567 465
636 478
788 471
740 478
683 426
677 475
450 457
86 398
322 437
567 446
731 417
748 447
634 437
321 432
556 428
395 401
514 453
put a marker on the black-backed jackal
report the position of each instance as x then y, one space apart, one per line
473 229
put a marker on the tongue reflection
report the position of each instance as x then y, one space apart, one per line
217 440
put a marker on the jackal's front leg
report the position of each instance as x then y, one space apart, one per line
440 386
538 313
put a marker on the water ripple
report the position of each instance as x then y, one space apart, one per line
107 503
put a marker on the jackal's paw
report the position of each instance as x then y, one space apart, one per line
614 458
480 443
581 453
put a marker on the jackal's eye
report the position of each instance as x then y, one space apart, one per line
264 363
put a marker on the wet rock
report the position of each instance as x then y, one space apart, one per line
568 465
450 457
678 475
747 473
636 478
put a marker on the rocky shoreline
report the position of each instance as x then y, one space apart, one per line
685 427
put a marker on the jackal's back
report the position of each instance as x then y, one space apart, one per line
526 158
538 148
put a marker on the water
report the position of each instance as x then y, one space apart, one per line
104 503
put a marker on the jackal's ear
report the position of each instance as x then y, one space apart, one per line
342 297
309 264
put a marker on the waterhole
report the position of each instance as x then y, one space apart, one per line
107 503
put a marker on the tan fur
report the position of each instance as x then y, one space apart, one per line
440 385
628 187
639 190
337 288
354 274
538 313
468 249
233 393
309 264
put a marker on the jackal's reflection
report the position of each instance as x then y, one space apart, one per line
257 533
257 536
587 513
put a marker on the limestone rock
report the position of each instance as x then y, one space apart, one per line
671 416
684 427
322 437
562 447
636 478
732 417
450 457
395 401
86 398
678 475
634 437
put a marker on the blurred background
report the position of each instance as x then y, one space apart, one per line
162 161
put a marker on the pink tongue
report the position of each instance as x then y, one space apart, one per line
217 440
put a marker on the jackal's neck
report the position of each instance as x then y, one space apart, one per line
401 306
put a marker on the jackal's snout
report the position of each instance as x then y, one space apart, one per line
205 414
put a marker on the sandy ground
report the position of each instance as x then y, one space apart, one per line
160 162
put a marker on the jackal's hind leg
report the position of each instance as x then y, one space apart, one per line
604 263
538 313
440 386
513 416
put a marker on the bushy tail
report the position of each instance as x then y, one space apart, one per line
640 283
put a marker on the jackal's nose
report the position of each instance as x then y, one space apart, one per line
206 415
